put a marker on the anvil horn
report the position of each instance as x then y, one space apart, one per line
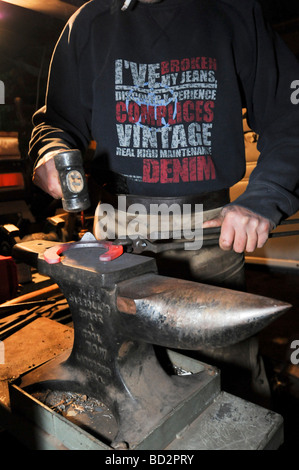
188 315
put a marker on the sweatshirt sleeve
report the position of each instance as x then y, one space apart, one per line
64 121
273 190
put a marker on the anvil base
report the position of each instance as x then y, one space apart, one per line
209 419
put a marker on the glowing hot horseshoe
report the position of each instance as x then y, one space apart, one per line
52 255
113 252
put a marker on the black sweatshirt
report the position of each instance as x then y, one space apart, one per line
161 89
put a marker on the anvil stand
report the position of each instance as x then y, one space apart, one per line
111 361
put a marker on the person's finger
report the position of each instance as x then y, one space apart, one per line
252 234
263 233
227 235
46 177
216 222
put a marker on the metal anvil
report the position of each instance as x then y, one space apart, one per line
120 309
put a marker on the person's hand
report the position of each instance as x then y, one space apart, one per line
46 177
241 229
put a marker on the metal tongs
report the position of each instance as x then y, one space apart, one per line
114 249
